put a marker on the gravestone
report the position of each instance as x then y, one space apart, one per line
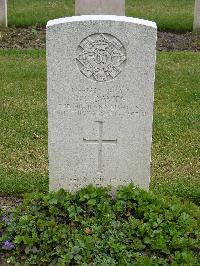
100 100
100 7
3 13
196 25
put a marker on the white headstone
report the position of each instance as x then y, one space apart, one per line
100 7
3 13
196 25
100 100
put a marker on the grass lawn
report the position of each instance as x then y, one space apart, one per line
176 136
172 15
23 133
23 148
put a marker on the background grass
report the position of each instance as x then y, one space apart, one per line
172 15
24 122
31 12
176 137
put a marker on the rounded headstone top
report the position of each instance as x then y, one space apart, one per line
102 18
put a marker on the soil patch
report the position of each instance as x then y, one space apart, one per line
9 202
22 38
168 41
35 38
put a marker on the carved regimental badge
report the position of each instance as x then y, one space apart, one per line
101 57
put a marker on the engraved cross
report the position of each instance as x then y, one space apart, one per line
100 143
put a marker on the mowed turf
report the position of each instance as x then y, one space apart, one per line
172 15
176 134
23 133
176 138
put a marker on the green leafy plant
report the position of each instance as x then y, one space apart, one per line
34 31
2 221
96 227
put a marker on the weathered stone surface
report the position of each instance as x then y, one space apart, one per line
196 25
3 13
100 100
100 7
